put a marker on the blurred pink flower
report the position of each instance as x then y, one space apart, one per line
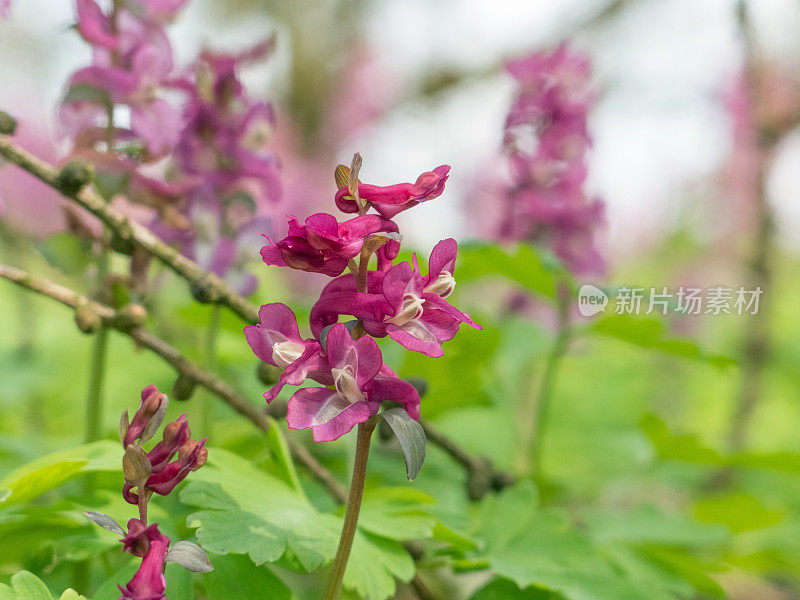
545 141
132 62
31 206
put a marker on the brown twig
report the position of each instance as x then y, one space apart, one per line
756 346
206 286
120 320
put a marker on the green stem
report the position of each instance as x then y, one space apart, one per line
544 398
210 363
94 400
334 585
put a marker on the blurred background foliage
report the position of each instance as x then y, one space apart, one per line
639 494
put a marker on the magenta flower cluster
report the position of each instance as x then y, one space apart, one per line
131 66
394 300
157 471
190 144
222 168
546 141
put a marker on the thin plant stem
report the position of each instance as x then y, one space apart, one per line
757 340
334 585
550 373
97 366
210 363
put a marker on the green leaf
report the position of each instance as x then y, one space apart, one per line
397 513
373 565
66 252
237 577
738 511
26 586
108 590
247 511
687 448
649 525
29 587
49 472
539 548
180 583
651 333
504 589
529 267
468 354
411 437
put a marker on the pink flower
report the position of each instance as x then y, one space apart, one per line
276 340
132 62
400 303
5 9
152 402
393 199
94 26
546 140
360 383
149 582
323 245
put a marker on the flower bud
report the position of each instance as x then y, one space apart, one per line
74 176
130 317
183 388
8 124
148 417
175 435
204 293
193 456
122 245
87 319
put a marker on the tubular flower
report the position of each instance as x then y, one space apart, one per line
360 382
400 303
276 340
149 582
393 199
324 245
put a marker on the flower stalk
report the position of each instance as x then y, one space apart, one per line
544 399
363 438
